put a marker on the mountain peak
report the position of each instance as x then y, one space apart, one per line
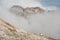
28 11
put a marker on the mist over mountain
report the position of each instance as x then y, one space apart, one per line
47 22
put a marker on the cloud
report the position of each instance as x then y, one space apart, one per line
24 3
52 8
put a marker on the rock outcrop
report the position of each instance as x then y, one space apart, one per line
26 12
9 32
18 10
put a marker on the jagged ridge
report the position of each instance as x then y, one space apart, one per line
26 12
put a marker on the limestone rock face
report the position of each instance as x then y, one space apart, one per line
9 32
32 11
26 12
18 10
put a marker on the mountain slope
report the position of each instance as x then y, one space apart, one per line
9 32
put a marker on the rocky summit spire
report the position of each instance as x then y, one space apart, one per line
26 12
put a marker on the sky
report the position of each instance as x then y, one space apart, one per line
47 3
41 3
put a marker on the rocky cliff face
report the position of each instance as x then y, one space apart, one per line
9 32
26 12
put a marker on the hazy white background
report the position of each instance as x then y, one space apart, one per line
48 23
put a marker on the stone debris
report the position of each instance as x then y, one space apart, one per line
9 32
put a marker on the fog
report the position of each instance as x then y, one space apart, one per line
47 23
